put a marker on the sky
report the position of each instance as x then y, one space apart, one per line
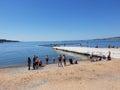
57 20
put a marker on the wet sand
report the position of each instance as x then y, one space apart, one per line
101 75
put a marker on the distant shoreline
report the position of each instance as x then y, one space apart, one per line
4 40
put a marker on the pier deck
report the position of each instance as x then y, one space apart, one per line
115 52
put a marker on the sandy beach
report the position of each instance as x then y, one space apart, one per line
86 75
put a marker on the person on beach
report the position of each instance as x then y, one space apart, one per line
46 58
53 60
71 61
64 60
109 56
103 57
34 62
75 62
60 61
40 63
91 57
100 58
29 63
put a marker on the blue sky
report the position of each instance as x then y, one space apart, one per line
51 20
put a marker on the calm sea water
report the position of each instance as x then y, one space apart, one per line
16 53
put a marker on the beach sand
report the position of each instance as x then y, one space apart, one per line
101 75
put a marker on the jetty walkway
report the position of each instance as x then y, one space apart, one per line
115 52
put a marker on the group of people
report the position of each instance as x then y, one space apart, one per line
60 58
100 58
36 62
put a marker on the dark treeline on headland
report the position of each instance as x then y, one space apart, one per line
4 40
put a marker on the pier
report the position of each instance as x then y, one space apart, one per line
115 52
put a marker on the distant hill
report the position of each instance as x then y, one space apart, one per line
111 38
4 40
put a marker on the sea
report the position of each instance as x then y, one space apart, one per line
16 53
